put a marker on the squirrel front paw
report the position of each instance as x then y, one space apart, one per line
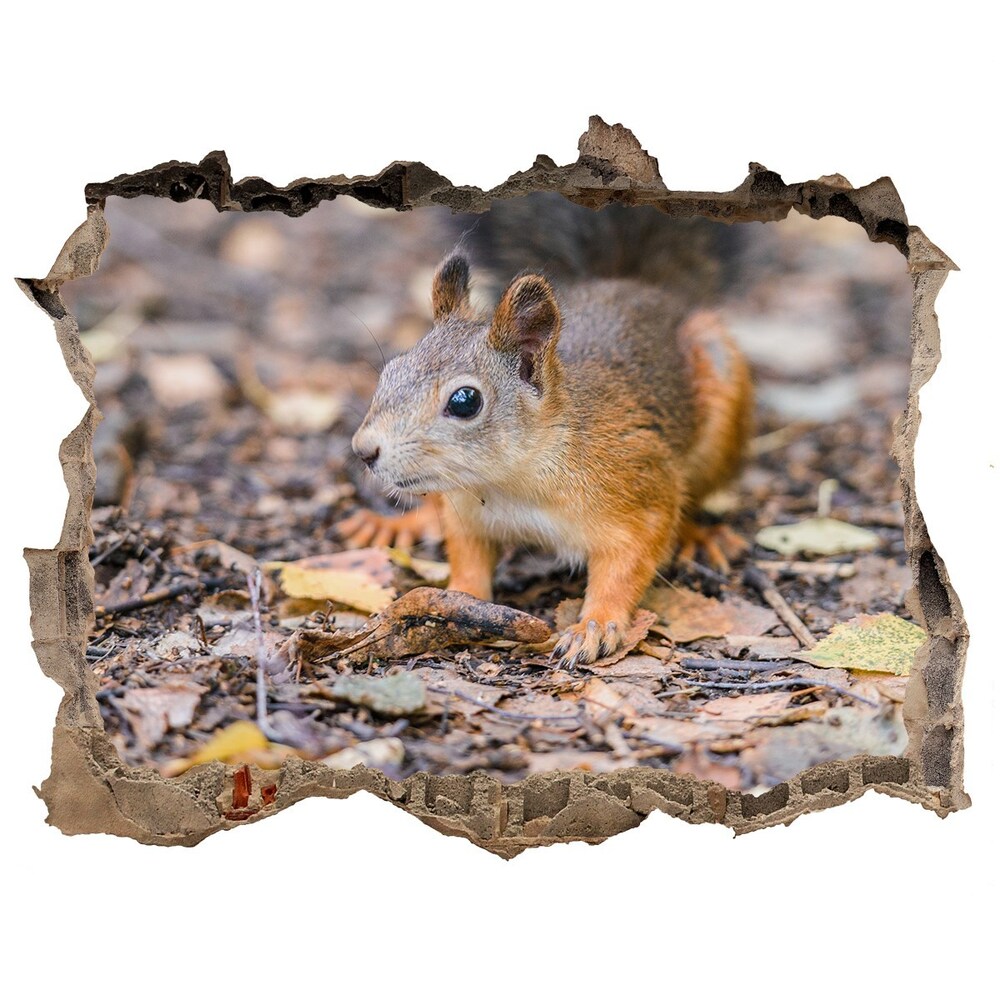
587 641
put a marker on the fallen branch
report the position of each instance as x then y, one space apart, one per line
777 685
758 579
693 663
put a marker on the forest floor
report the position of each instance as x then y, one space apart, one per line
236 355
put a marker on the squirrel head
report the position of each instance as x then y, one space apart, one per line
470 404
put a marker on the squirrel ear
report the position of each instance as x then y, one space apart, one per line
450 289
526 320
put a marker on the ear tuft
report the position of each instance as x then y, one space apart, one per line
450 289
527 318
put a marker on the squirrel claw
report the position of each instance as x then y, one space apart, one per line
587 642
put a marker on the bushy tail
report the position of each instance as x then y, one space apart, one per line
545 232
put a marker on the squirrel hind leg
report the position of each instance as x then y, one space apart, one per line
403 531
717 543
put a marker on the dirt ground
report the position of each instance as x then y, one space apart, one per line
237 354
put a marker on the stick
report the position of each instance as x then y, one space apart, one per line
253 586
157 596
802 567
693 663
777 685
756 578
671 747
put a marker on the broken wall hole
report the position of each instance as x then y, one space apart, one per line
163 699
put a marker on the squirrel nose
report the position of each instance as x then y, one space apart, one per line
368 457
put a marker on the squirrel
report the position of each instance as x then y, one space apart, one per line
588 415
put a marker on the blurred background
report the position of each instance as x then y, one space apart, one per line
237 354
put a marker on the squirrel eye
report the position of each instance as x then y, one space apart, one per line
465 402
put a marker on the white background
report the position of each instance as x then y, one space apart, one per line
340 897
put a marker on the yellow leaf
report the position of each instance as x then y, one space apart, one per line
427 569
356 579
820 536
239 738
882 643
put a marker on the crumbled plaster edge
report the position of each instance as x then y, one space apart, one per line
90 790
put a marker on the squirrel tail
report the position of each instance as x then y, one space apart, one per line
547 233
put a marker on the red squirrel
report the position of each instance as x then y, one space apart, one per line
590 418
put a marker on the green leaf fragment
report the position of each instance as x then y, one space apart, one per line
398 695
882 643
820 536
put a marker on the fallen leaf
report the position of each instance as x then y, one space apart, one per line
395 696
839 734
174 645
372 753
689 615
434 572
361 578
235 740
749 618
876 579
225 555
603 702
421 621
882 643
152 711
130 582
820 536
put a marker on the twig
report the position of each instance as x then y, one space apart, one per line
157 596
777 685
756 578
519 716
665 744
693 663
253 586
803 567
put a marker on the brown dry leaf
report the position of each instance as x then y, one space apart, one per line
152 711
227 556
361 578
689 615
635 666
424 620
749 618
454 692
130 582
747 708
876 579
604 703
